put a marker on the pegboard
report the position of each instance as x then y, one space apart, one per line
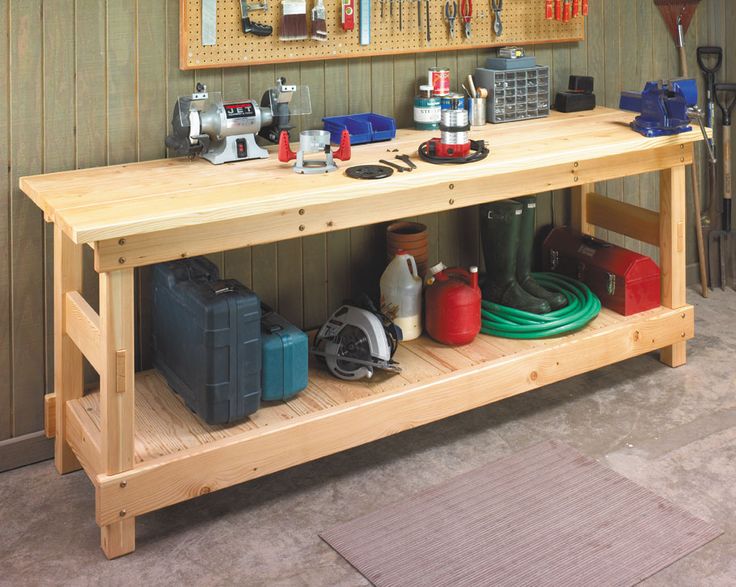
523 24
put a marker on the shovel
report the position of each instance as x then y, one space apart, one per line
710 60
722 243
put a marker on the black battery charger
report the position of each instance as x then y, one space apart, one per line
578 97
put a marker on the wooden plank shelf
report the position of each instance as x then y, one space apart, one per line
437 381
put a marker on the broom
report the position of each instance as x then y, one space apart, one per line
677 15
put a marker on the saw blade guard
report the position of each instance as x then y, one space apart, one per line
354 342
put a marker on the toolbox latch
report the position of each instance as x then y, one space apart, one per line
554 259
611 287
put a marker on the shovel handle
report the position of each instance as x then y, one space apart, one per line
726 106
727 187
709 51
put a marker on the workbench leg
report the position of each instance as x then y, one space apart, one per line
68 361
672 251
579 205
117 395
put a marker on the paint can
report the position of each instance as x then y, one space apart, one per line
439 79
427 109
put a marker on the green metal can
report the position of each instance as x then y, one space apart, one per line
427 109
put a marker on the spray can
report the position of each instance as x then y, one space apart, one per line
401 295
426 109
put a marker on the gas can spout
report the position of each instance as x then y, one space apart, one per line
474 277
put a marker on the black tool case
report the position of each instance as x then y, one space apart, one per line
207 339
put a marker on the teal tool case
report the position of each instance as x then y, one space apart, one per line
285 351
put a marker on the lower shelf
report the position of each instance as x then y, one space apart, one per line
178 456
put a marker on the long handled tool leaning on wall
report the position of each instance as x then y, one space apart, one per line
710 60
677 15
723 242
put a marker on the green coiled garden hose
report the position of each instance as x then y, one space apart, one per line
582 306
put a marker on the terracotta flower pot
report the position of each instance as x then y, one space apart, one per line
403 233
411 237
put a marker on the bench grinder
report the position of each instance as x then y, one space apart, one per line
206 126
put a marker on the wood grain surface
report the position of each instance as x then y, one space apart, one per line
177 457
120 201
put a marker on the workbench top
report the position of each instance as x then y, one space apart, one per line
137 198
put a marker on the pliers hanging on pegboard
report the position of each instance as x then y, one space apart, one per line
451 15
497 7
466 11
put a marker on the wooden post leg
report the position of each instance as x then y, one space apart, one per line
117 395
579 205
68 362
672 251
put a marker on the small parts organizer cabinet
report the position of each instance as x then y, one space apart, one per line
143 450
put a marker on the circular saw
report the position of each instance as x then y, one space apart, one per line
355 341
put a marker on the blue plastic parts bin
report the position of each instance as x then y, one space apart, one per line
363 128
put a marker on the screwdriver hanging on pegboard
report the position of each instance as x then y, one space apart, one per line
429 38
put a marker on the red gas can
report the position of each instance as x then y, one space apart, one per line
452 305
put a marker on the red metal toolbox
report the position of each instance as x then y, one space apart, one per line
625 281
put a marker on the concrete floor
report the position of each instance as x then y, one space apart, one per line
673 431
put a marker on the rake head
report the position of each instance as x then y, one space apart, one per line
677 13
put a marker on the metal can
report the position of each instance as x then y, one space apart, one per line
453 101
427 109
439 79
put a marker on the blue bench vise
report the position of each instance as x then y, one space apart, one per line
666 107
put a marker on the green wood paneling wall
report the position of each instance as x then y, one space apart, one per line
92 82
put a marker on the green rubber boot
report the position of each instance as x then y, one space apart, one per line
500 223
524 257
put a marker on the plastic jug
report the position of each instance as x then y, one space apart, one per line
453 305
401 295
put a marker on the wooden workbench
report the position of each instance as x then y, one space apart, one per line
143 450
